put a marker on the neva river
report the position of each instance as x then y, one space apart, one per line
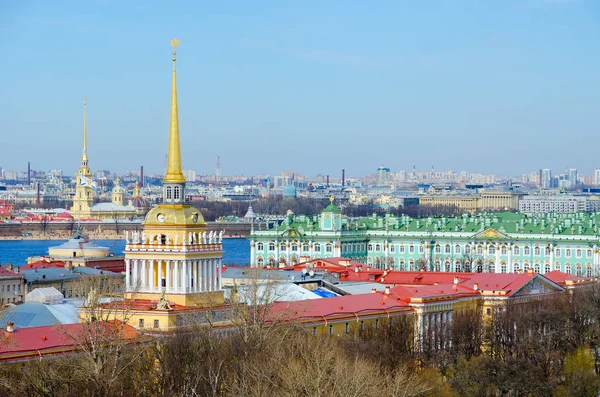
237 250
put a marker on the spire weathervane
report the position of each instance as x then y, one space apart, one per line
84 154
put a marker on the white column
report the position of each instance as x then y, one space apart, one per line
144 279
176 276
127 275
150 265
168 283
184 279
212 274
135 273
204 275
195 272
219 275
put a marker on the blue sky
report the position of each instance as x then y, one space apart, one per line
483 86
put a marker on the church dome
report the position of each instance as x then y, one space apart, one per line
174 215
118 188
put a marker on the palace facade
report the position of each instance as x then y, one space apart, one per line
503 242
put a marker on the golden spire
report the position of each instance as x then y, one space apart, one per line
174 171
136 190
84 157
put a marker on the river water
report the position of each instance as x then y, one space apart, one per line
237 250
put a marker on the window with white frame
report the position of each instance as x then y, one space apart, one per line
537 251
411 249
294 247
438 249
457 249
516 250
377 248
557 252
317 247
401 248
259 246
491 250
526 250
503 250
421 249
281 247
578 253
467 250
568 269
392 248
547 251
479 250
370 247
503 267
568 252
547 268
271 247
305 248
328 248
447 249
588 271
589 253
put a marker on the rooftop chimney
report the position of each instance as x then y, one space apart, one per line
10 327
387 289
373 290
455 280
476 286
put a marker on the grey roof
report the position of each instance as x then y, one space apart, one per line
36 314
60 273
248 273
355 288
111 207
76 243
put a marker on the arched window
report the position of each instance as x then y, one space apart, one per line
526 250
317 247
467 250
259 246
305 248
328 248
411 264
557 252
503 250
516 250
294 247
479 250
169 193
392 248
447 249
176 193
536 251
492 250
568 269
547 251
438 249
370 247
578 253
457 267
536 268
546 268
377 248
272 247
447 265
589 253
578 269
457 249
260 262
503 267
568 252
588 270
411 249
437 266
282 247
516 267
401 263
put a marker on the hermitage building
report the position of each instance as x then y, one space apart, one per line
503 242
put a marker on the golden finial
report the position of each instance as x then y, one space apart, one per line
174 43
331 198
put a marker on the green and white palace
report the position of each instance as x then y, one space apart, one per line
487 242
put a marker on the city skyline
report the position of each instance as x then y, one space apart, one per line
359 85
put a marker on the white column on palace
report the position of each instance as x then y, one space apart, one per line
144 278
219 275
127 275
151 275
184 276
135 274
204 275
168 285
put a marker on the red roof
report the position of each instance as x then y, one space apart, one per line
441 291
351 305
43 264
561 278
27 343
4 272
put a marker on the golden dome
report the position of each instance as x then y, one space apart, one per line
174 215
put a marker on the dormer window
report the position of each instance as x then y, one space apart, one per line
169 193
176 194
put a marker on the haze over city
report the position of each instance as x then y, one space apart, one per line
313 86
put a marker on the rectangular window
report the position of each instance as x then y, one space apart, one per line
141 323
376 323
457 249
155 323
362 325
314 331
331 330
347 328
421 249
411 249
402 249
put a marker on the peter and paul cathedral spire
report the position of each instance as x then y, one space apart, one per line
174 181
84 198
